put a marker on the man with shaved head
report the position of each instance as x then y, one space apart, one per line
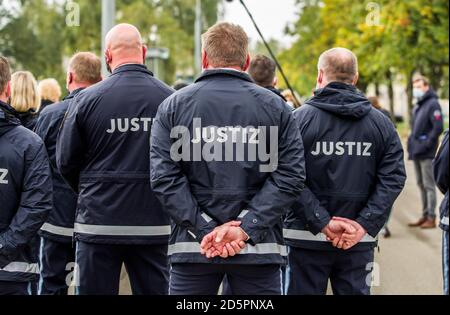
355 172
103 154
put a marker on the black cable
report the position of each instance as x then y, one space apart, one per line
270 52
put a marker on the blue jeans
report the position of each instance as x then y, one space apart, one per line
445 260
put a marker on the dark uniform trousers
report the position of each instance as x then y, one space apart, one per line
99 268
57 263
205 279
348 271
15 288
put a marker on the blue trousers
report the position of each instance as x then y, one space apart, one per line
15 288
445 260
57 261
309 271
99 268
205 279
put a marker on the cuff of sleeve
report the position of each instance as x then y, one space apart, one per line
253 228
321 220
206 228
371 228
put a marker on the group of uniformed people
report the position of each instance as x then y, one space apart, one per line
220 180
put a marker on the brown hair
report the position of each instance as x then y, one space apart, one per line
263 70
375 102
5 73
87 67
421 78
226 45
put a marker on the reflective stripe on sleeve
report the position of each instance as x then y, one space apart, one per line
21 267
57 230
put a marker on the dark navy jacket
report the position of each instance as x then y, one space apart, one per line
204 184
354 163
427 126
27 119
441 174
25 197
103 153
59 226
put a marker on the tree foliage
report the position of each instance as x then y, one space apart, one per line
390 38
36 37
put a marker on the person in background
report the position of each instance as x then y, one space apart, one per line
25 98
180 85
263 71
441 174
291 100
57 250
50 92
375 101
426 125
376 104
25 195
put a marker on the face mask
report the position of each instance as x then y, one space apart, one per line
418 93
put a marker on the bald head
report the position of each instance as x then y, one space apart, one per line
124 45
338 65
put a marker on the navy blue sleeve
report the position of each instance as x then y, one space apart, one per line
441 166
308 204
436 120
283 185
170 184
70 147
36 202
391 177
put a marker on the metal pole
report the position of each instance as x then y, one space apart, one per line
198 34
108 21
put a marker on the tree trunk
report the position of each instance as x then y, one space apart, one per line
391 96
409 93
377 89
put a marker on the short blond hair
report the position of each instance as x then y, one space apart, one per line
24 92
339 64
50 90
87 67
226 45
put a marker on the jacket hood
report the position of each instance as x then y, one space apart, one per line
7 119
342 100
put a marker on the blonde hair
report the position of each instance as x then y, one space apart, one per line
50 90
226 45
24 92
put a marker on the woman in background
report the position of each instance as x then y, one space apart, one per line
50 92
25 98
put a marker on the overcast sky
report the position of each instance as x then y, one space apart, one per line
270 15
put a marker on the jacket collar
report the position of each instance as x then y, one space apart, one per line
73 94
207 74
132 67
428 95
7 112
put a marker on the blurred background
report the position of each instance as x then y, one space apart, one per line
393 39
